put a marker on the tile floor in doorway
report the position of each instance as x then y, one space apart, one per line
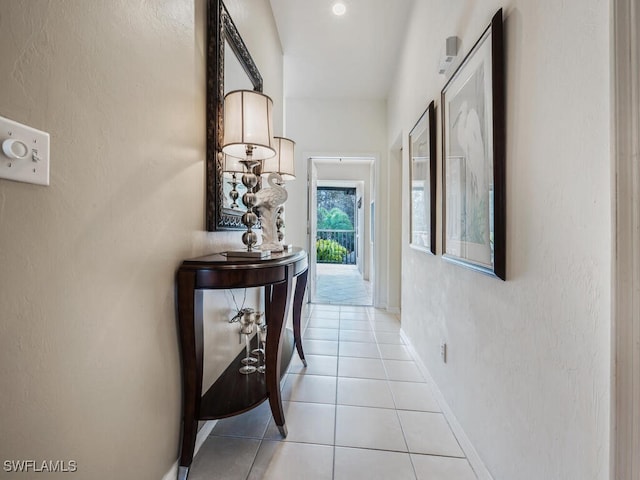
338 284
361 410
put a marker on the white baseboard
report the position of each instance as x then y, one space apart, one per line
394 310
472 455
203 433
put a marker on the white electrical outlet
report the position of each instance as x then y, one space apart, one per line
24 156
443 352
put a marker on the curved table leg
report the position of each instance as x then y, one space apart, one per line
301 285
190 330
277 313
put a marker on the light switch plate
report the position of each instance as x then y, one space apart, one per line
29 167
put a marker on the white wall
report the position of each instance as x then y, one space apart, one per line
529 359
89 361
336 127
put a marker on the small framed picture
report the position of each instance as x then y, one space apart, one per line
473 158
422 181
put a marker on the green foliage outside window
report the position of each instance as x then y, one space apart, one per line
334 219
330 251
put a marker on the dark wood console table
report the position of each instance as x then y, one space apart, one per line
233 393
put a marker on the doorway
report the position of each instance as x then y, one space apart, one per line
339 222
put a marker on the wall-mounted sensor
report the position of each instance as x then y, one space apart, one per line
450 54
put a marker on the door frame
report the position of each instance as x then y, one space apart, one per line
369 260
312 227
625 315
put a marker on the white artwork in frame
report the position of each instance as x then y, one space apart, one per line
474 157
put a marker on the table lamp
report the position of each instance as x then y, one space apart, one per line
248 136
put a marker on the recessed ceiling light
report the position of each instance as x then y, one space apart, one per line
339 8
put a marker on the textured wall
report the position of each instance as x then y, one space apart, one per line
529 359
89 366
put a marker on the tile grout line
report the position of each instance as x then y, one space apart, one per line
253 462
335 408
395 404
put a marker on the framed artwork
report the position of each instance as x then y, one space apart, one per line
473 158
422 180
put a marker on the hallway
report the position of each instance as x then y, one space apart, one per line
361 410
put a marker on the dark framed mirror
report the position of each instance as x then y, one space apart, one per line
229 67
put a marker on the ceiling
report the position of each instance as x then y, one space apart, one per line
351 56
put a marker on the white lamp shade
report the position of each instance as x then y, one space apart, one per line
284 160
232 164
248 122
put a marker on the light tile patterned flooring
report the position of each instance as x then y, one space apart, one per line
361 410
341 285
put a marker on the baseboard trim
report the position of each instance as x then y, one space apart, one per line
467 447
203 433
394 310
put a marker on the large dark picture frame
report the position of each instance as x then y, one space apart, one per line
473 158
222 35
422 182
